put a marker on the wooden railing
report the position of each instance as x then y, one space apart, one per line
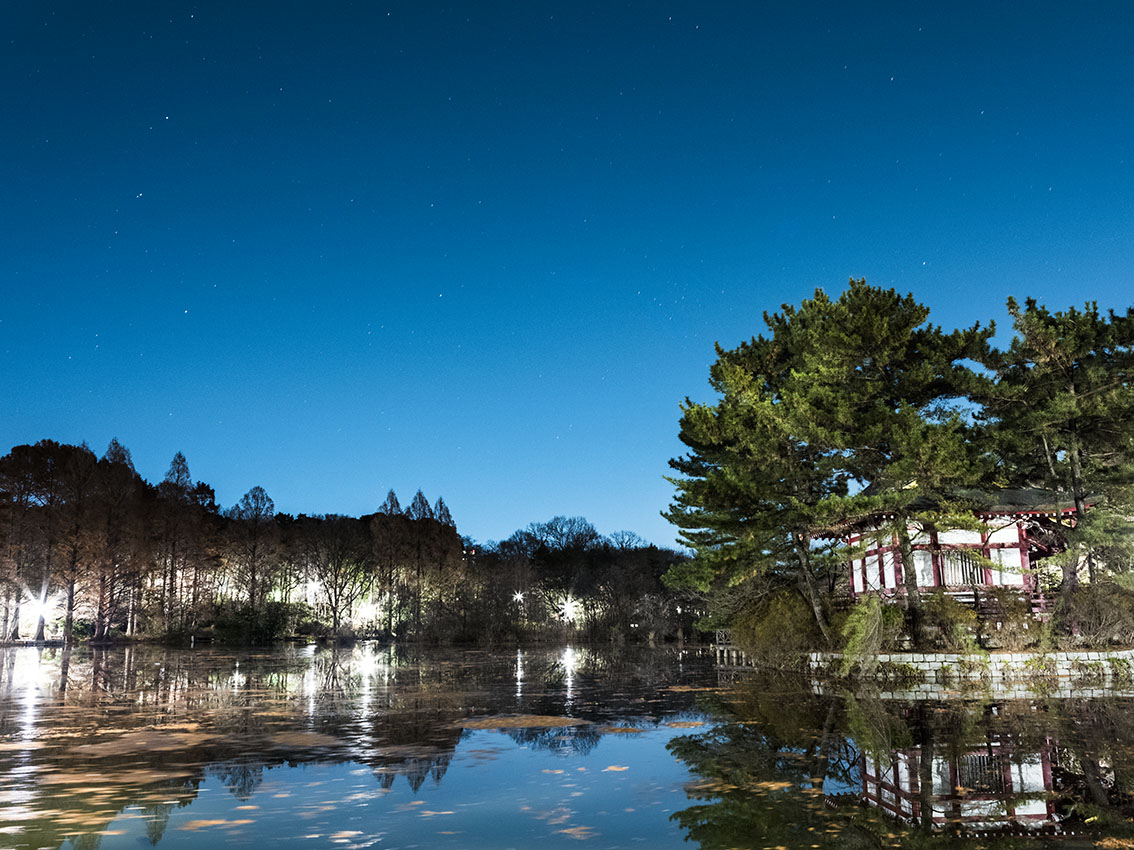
960 570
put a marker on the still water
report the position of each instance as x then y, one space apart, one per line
385 747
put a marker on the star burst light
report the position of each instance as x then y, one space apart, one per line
569 610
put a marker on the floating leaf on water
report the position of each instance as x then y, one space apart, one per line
194 825
615 767
579 833
685 724
620 730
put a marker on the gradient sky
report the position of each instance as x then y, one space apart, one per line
485 249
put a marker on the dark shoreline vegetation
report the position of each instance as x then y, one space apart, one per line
89 550
854 428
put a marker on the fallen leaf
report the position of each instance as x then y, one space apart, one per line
580 833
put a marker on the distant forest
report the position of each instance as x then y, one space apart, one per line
90 550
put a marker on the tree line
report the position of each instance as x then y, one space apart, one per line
855 412
89 549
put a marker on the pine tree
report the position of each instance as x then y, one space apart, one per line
1062 407
841 416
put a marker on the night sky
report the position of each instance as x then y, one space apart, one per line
486 249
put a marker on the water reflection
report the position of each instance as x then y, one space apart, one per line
785 767
98 746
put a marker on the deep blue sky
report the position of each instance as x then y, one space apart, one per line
485 249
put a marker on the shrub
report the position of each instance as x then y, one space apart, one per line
1089 673
954 621
869 628
899 673
1123 676
1103 613
1018 629
779 631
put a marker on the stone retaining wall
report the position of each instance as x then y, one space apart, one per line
1105 669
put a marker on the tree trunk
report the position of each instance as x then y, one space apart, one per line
1079 495
41 622
811 592
909 580
100 627
69 622
826 741
1093 775
925 770
15 633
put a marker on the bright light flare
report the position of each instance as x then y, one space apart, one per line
518 597
32 608
569 610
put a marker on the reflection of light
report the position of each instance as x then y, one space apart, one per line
367 662
569 610
569 659
569 662
28 671
518 596
519 674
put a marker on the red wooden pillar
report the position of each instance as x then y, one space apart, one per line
935 559
1025 562
987 553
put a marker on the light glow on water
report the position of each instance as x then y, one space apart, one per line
322 746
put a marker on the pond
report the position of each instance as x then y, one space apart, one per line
377 746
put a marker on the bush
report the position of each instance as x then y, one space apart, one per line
1102 613
1018 629
954 621
1123 676
869 629
779 631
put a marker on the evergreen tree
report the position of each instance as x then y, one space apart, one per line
748 502
1062 406
841 416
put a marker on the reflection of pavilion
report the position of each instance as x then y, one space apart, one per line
995 787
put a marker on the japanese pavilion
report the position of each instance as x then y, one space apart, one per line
1012 538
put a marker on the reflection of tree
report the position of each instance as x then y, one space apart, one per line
1011 768
1095 761
566 740
157 818
757 790
241 776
